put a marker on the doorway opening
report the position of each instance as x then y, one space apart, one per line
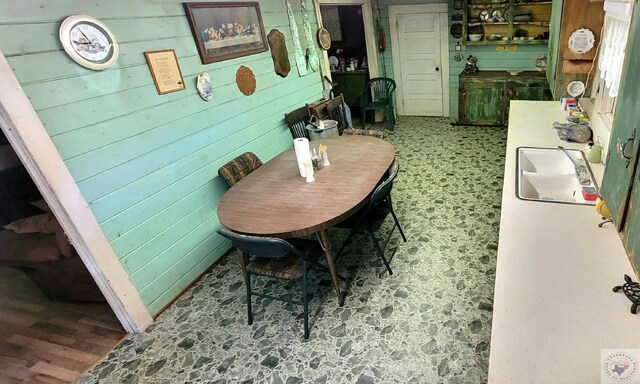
55 321
352 58
348 62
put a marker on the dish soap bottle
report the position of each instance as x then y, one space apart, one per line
594 155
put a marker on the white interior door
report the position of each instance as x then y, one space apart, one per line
420 69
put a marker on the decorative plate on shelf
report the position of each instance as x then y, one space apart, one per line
333 62
324 38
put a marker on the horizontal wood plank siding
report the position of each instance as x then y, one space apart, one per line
147 163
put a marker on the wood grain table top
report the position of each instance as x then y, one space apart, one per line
275 200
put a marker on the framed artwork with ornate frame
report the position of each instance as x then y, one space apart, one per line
226 30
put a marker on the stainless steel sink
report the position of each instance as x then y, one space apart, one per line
548 175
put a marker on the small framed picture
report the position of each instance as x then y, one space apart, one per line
165 70
226 30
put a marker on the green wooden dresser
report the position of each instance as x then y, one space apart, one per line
484 96
350 84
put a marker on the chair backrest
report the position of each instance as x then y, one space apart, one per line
297 120
241 166
335 107
384 189
268 247
380 88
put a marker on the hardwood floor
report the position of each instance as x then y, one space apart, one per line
43 341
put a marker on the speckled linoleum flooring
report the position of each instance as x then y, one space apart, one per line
430 322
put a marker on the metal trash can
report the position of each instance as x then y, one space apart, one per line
330 130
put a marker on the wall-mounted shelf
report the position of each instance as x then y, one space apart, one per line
506 42
538 13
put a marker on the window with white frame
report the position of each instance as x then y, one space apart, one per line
615 32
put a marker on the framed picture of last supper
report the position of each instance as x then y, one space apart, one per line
226 30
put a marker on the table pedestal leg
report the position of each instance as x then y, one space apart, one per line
325 243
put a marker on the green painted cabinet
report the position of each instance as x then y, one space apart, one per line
621 182
484 96
350 84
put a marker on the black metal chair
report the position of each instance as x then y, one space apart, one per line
370 218
238 168
377 95
276 258
297 120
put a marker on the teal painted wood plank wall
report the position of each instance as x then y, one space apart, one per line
147 163
488 58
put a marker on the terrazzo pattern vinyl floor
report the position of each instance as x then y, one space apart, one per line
430 322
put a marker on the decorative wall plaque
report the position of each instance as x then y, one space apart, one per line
279 53
581 41
245 80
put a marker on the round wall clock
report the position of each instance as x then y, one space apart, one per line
324 38
89 42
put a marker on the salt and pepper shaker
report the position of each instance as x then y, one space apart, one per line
316 160
325 156
309 171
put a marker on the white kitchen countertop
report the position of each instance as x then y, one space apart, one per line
554 309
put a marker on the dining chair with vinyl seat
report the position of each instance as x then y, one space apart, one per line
238 168
377 95
297 121
370 218
272 257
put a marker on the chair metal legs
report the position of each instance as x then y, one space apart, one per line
244 260
305 302
305 294
379 249
249 313
395 218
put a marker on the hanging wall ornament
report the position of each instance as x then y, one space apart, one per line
279 52
245 80
300 60
204 86
312 54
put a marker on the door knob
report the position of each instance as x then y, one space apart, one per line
437 69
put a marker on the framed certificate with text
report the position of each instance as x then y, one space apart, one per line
165 70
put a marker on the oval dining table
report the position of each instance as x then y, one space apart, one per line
275 201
